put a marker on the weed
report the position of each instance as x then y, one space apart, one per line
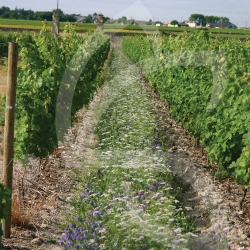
130 198
208 209
52 240
22 212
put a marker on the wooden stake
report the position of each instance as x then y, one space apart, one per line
9 127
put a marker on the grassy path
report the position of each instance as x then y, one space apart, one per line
131 199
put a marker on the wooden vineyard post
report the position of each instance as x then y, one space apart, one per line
100 22
9 127
56 23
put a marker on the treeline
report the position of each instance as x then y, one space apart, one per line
6 12
201 19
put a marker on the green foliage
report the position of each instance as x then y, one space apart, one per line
203 20
207 95
23 14
5 201
45 62
2 109
174 22
139 44
4 39
199 18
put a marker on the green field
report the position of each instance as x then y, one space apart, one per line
117 28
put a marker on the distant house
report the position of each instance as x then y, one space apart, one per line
140 22
182 24
221 25
159 24
80 19
170 25
165 23
192 24
94 17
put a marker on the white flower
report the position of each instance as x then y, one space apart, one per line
177 230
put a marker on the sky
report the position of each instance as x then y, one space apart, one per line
158 10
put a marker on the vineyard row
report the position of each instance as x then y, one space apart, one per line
205 80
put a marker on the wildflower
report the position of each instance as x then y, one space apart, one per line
79 218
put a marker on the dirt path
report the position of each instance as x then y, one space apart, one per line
53 184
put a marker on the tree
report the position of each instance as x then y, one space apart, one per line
203 20
4 10
88 19
212 19
59 11
41 15
122 19
198 18
174 22
106 19
224 19
149 22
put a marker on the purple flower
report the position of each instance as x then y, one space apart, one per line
69 244
79 218
73 236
